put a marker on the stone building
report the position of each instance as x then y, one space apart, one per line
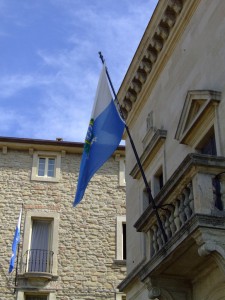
65 252
173 98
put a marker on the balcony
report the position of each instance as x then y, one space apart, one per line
192 209
37 265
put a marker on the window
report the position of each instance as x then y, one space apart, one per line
46 166
40 245
121 238
155 185
208 144
124 250
158 181
146 201
40 255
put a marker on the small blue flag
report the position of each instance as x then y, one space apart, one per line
103 136
16 240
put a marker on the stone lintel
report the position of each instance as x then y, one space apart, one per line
149 152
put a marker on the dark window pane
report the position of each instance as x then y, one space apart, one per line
209 147
160 178
36 297
124 241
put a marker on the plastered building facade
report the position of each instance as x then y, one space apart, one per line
173 99
65 252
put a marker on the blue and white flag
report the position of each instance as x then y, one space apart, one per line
15 243
103 136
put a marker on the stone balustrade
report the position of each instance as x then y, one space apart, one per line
175 215
197 187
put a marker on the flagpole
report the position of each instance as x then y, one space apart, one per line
151 199
17 256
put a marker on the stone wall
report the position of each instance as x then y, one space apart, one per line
87 233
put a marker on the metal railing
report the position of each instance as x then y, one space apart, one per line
38 260
217 192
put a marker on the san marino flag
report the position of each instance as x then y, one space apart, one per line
103 136
16 240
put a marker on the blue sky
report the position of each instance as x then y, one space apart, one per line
49 63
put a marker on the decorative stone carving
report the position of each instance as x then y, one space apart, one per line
141 76
127 104
153 291
146 65
149 121
212 243
176 5
211 246
216 250
169 17
163 30
136 85
156 43
131 95
151 54
124 112
158 290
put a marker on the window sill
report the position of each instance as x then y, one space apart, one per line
45 179
38 278
120 262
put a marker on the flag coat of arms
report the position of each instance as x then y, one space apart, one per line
103 136
16 240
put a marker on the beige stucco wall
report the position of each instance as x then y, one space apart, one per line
197 63
87 233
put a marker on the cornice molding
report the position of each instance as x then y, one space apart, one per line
46 145
165 27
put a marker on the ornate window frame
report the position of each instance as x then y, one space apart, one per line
198 117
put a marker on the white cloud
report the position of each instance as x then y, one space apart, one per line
12 84
67 76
